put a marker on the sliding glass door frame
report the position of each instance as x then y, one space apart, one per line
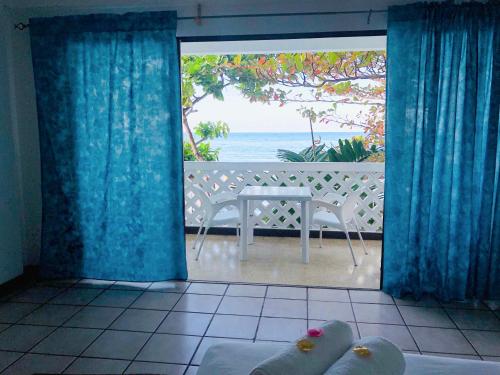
246 37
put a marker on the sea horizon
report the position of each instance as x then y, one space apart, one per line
263 146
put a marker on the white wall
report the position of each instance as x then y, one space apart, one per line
22 114
233 26
29 158
11 264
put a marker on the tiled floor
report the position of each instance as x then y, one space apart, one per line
95 327
277 260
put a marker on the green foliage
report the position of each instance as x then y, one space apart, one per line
378 157
211 130
346 151
349 151
350 77
308 113
208 153
205 131
210 74
202 74
306 155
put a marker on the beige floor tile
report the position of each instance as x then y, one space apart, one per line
277 260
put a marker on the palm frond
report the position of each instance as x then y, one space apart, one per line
287 155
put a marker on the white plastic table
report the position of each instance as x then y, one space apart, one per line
276 193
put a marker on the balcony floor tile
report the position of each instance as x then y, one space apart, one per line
277 260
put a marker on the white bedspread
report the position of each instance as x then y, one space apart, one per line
239 358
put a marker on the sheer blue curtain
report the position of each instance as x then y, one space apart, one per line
442 207
108 98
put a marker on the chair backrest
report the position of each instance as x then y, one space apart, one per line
206 205
348 208
333 198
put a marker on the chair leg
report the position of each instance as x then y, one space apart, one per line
237 234
197 235
360 237
350 248
202 242
321 236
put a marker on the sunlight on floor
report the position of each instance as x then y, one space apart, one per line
277 260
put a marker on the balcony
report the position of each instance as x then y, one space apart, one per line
275 255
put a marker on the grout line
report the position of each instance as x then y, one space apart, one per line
461 332
41 304
353 314
307 310
131 307
228 295
215 337
206 329
154 332
260 315
426 352
222 314
63 290
159 325
128 360
8 325
216 295
66 288
103 330
284 285
409 330
487 307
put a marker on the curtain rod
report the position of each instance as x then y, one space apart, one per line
198 18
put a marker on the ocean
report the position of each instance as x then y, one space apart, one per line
263 146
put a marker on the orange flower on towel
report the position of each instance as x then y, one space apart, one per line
305 345
362 351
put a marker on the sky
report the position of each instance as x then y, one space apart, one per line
243 116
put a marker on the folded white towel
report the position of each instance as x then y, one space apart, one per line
327 348
375 356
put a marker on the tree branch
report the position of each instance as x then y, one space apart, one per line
295 100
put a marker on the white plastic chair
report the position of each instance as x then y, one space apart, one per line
341 216
218 209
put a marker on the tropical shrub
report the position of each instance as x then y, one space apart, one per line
306 155
206 131
208 153
350 151
347 151
211 130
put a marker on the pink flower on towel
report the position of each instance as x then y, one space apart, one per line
315 332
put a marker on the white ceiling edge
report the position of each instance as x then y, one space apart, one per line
366 43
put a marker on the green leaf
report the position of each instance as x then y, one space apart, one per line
287 155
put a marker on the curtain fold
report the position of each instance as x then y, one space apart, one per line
442 195
108 98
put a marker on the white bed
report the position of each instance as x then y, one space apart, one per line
240 358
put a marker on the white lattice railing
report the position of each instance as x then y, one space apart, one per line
364 180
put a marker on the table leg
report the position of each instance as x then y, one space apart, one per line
244 229
304 232
251 210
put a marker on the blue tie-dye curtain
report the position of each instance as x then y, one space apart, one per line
108 98
442 197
